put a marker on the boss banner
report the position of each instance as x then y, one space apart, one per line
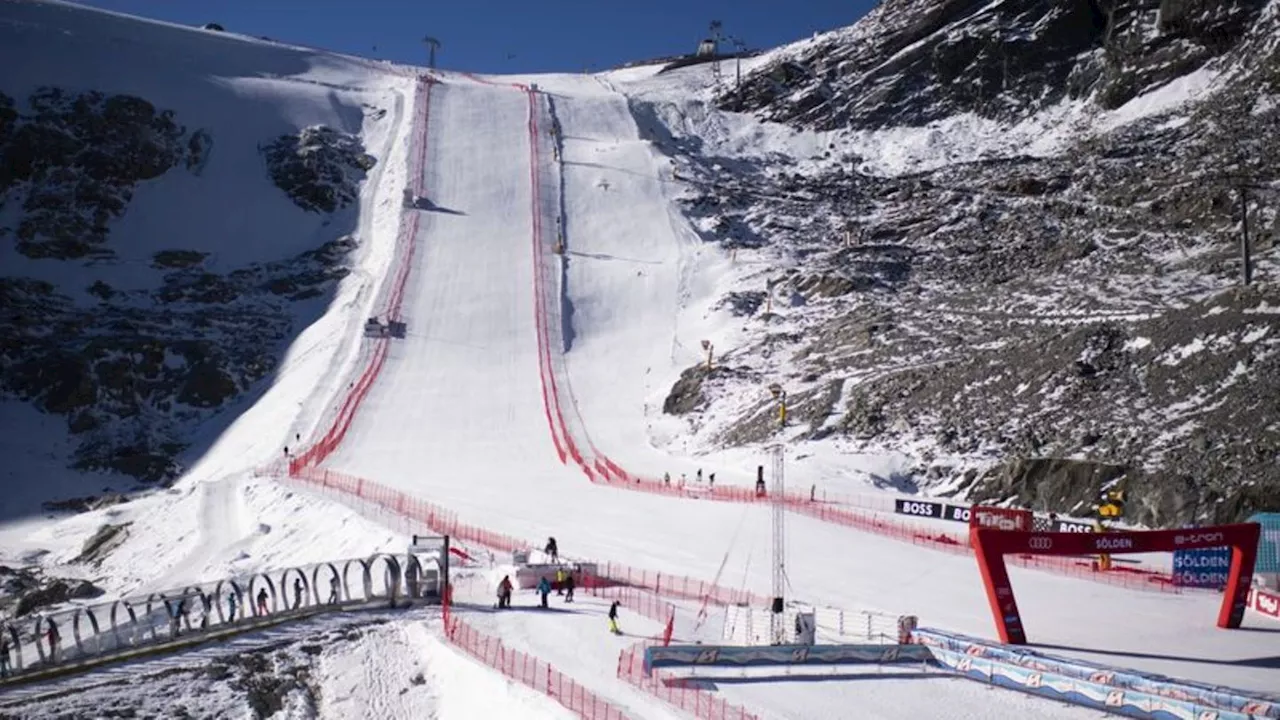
918 508
963 514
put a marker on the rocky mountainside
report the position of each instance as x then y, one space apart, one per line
132 368
1030 323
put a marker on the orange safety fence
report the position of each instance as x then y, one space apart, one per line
640 602
695 701
530 671
405 248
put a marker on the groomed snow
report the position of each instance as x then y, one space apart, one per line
457 416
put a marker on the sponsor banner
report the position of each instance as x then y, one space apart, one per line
1000 518
1092 684
918 508
1265 602
1073 526
1202 567
963 514
763 655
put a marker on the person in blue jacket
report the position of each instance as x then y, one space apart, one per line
544 589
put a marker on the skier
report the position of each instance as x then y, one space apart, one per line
560 575
552 550
712 479
569 584
504 592
544 589
333 590
699 474
231 607
613 618
297 593
262 601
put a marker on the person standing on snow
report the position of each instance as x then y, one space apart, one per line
504 592
4 652
544 589
53 637
560 575
231 607
613 618
552 550
333 590
297 593
569 584
262 601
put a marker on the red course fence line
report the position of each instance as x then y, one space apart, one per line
678 692
603 470
531 672
405 248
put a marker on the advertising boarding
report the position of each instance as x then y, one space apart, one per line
1202 568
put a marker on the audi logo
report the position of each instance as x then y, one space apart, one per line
1040 542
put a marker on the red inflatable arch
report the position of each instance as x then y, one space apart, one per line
990 546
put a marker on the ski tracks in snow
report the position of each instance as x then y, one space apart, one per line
383 676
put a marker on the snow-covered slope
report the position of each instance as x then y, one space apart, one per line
458 416
287 292
459 413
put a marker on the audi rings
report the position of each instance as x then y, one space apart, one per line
1040 542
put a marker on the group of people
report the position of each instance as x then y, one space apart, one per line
564 585
711 478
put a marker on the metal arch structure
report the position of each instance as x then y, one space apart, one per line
114 628
990 546
235 592
300 594
271 590
391 579
333 575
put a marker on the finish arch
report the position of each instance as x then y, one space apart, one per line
990 546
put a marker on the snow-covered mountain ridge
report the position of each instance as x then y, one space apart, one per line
173 211
995 272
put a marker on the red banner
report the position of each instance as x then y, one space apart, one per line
991 546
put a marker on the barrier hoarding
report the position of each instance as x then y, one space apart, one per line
1202 568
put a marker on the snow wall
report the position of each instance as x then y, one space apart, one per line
1113 690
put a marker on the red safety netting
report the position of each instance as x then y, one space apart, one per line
530 671
405 248
429 515
676 691
674 586
641 602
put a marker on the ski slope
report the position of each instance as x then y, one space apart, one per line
458 414
458 417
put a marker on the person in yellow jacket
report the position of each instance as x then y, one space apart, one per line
560 575
613 618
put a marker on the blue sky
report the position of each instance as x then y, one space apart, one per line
508 35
